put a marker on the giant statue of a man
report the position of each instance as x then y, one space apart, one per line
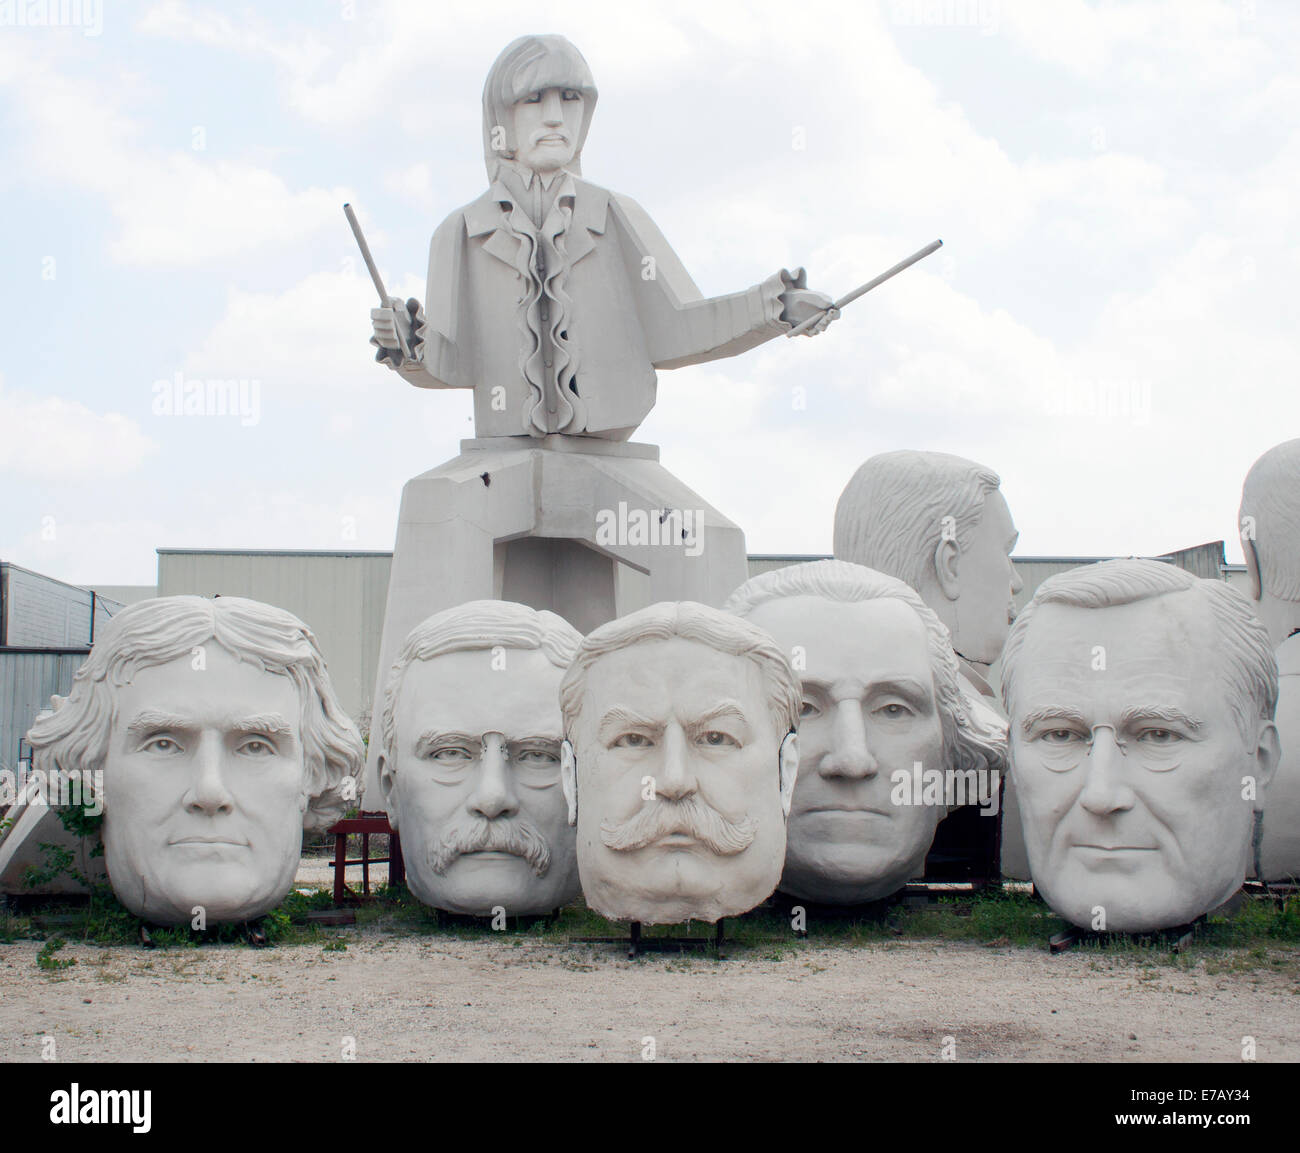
554 299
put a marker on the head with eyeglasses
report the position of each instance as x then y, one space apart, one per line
469 766
1140 701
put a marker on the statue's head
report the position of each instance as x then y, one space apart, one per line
680 760
537 105
939 524
1140 701
469 765
881 694
1269 523
220 739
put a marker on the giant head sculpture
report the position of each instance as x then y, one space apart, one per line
220 739
881 696
470 760
939 524
1140 702
680 760
1270 537
537 105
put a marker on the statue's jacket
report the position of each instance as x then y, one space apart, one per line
560 329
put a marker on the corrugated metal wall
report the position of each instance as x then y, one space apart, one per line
26 681
340 596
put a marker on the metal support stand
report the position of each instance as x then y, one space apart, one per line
637 944
1179 938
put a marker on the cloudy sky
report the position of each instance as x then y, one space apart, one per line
1111 323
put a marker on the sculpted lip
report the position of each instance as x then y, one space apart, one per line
846 809
208 841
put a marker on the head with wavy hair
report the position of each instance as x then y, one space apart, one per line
218 734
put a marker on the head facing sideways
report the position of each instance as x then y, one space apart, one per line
881 694
537 105
1269 524
939 524
1140 702
680 760
469 765
220 739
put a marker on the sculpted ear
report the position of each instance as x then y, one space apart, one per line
387 783
1252 567
788 769
569 779
1268 753
946 557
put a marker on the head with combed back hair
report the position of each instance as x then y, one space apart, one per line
1269 525
530 64
882 694
1140 701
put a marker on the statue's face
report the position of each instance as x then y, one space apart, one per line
474 789
547 125
204 790
1142 818
680 814
988 582
869 710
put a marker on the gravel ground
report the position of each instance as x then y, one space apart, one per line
405 998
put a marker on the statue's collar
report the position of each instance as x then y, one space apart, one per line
589 207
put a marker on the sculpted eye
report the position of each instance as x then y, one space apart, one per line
633 741
809 709
532 98
1160 736
894 711
537 757
161 745
451 755
1058 736
257 747
571 94
716 739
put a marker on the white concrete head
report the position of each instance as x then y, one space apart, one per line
881 694
1140 702
537 105
469 766
220 739
680 762
939 524
1269 524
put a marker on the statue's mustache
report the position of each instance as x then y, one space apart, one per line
692 817
516 835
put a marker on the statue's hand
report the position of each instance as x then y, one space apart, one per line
798 304
388 323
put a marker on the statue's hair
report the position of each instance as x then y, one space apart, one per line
76 734
890 516
1245 660
530 64
472 627
692 622
972 738
1271 496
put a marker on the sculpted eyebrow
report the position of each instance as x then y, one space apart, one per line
268 724
433 737
1051 713
1166 713
723 709
151 720
621 718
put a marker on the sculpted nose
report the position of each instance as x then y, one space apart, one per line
494 793
676 779
1104 791
849 755
1016 583
552 109
207 793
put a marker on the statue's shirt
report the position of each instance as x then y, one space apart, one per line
558 327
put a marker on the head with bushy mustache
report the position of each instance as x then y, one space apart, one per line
679 763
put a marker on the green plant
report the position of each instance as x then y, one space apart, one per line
46 959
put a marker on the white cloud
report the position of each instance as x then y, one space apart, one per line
51 439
